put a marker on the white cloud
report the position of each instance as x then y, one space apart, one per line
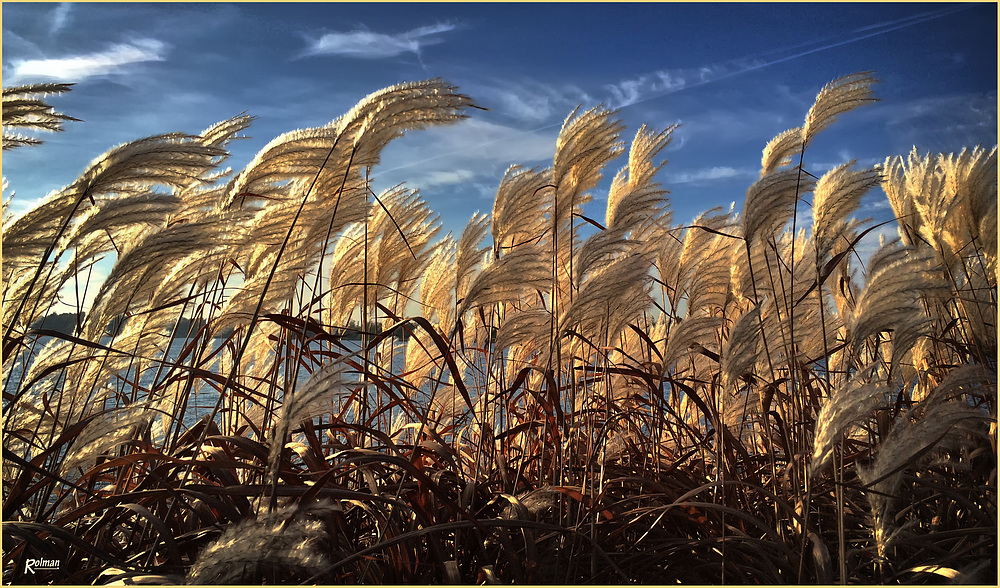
532 102
472 143
60 16
471 154
443 178
371 45
529 107
943 123
667 81
92 278
627 92
80 67
710 174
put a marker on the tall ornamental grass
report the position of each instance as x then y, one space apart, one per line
543 398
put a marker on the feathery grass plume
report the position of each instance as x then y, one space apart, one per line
587 142
972 174
222 132
965 381
313 220
741 348
139 271
292 266
908 331
780 150
278 547
37 300
842 95
697 329
170 160
206 193
634 197
437 304
349 143
319 394
696 244
436 296
199 267
513 276
669 256
57 353
412 266
635 299
893 293
5 201
770 202
837 194
399 226
346 273
709 285
111 213
27 236
847 405
518 207
942 199
522 327
596 251
106 432
23 108
895 187
469 255
607 287
931 426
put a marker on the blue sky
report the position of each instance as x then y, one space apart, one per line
733 76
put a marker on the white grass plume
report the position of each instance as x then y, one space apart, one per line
837 194
698 329
24 108
780 151
469 254
842 95
770 202
741 348
274 547
507 279
319 394
634 196
847 405
518 206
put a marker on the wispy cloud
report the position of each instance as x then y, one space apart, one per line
437 178
472 153
940 123
60 17
710 174
531 101
667 81
655 84
366 44
662 82
79 67
475 142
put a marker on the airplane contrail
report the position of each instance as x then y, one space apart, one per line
876 30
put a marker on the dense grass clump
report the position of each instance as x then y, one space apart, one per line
547 398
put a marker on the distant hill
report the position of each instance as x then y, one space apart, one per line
65 322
